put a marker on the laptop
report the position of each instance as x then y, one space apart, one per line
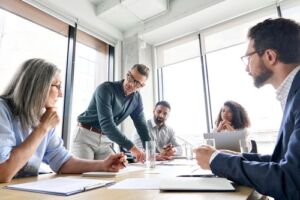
229 140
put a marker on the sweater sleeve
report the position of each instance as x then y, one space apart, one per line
103 97
139 121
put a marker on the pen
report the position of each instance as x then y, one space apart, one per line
195 170
198 175
116 152
168 146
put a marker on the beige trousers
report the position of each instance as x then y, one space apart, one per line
90 145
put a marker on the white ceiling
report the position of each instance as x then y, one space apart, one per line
154 21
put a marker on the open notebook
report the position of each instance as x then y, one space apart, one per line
61 186
212 184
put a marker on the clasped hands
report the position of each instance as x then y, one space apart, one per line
225 125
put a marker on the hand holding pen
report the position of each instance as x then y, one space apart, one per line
168 150
123 157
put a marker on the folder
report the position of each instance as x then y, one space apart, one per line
204 184
62 186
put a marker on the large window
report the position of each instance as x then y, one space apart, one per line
26 32
291 10
228 79
90 70
21 39
181 84
222 46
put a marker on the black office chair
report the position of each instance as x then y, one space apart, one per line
253 146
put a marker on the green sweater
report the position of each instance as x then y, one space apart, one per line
110 106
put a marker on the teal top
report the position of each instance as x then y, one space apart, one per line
110 106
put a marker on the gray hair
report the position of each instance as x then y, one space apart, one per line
27 91
142 69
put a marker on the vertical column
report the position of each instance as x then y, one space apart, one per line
69 86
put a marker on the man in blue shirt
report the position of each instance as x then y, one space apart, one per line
111 104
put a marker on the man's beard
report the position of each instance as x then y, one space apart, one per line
158 120
263 76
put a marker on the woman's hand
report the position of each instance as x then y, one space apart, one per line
225 126
50 118
114 162
228 126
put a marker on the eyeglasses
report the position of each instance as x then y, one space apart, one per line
57 86
246 58
135 82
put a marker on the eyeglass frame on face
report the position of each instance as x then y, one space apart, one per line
135 82
58 86
246 58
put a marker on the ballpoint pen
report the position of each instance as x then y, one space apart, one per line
198 175
168 147
116 152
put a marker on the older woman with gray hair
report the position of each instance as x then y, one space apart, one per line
28 118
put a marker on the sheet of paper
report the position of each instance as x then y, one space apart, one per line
137 183
166 170
61 186
177 162
126 170
196 184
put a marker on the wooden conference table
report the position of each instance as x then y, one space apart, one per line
241 193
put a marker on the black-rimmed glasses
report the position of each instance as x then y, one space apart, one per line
132 80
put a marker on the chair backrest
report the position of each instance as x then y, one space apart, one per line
253 146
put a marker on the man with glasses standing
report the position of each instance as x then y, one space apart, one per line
111 104
273 57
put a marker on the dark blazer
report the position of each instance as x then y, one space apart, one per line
276 175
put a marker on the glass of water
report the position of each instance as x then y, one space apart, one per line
150 154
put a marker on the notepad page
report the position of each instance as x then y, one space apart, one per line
59 186
126 170
196 184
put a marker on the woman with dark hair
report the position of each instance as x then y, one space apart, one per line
28 118
232 116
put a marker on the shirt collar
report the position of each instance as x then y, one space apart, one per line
284 88
153 124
